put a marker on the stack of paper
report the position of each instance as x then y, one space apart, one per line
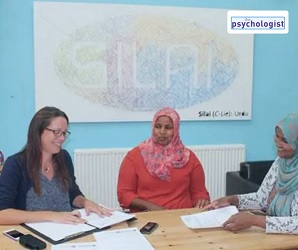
209 219
122 239
105 221
76 246
58 232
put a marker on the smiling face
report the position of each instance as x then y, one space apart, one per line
284 150
163 131
51 143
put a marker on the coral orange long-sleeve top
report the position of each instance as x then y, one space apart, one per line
185 188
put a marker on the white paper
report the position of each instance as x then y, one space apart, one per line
122 239
74 246
209 219
59 231
105 221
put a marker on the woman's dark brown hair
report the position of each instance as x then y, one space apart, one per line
32 151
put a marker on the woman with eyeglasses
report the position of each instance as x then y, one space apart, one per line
38 183
277 196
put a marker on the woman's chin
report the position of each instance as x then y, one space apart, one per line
163 142
280 154
285 155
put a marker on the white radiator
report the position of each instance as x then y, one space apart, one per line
97 169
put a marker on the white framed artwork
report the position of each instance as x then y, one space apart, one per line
111 62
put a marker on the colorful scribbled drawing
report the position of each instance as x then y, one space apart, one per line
143 63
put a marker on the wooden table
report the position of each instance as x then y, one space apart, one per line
172 234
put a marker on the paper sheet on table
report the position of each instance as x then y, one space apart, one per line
124 239
59 231
74 246
105 221
209 219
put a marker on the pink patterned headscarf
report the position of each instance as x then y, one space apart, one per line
160 159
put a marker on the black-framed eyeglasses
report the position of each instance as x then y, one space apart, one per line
58 132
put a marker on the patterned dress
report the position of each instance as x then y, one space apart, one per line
261 200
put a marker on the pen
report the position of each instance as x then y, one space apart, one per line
89 224
73 235
99 228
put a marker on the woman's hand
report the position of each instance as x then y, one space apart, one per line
73 217
144 205
223 202
201 203
91 206
244 220
154 207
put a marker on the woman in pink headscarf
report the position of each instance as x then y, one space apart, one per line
161 173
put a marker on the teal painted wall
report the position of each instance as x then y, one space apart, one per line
275 86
